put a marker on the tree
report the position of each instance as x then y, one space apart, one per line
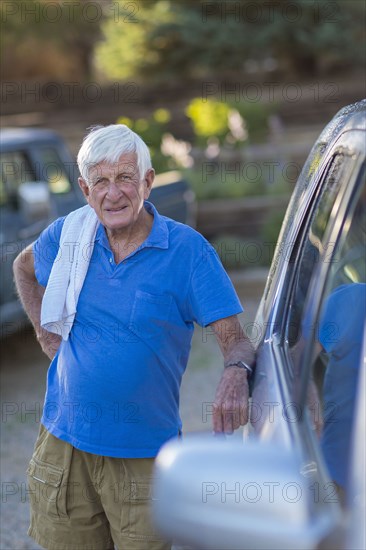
171 38
43 38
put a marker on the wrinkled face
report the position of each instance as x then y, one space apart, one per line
117 193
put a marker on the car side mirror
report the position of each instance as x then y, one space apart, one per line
34 200
213 494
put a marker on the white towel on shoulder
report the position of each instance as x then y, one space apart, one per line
69 271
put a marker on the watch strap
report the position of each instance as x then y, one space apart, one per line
241 365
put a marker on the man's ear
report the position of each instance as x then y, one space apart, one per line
84 188
148 181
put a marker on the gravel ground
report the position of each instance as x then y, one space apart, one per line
23 375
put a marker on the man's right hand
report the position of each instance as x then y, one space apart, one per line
49 342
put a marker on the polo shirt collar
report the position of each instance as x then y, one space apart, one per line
157 238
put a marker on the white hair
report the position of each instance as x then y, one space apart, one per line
108 143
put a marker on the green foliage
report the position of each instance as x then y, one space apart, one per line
158 40
223 185
33 27
256 116
128 49
220 180
150 129
215 119
174 38
307 37
209 118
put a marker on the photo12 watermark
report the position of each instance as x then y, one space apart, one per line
69 11
270 92
273 412
272 492
266 12
69 93
269 171
86 412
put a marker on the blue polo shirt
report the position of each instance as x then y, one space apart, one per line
113 386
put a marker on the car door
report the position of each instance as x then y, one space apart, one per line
316 329
308 480
333 324
16 233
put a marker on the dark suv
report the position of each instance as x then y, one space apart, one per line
38 183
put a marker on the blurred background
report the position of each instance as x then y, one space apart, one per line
230 93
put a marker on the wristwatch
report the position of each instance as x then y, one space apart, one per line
242 365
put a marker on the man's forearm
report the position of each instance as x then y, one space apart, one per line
234 344
240 351
31 293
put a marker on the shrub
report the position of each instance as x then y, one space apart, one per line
209 119
256 115
221 185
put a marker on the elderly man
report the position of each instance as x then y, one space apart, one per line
113 291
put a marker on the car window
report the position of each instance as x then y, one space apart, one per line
308 252
53 171
339 339
308 171
3 193
15 170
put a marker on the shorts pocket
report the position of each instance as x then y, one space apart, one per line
136 520
150 315
46 490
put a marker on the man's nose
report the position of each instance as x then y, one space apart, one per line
114 191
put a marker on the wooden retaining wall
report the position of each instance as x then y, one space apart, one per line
243 216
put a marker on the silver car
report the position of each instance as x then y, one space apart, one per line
297 481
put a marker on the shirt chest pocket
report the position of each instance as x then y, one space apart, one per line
151 315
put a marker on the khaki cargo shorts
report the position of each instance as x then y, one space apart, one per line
82 501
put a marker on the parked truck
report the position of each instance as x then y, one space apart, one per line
38 183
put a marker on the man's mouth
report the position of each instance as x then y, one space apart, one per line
119 209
